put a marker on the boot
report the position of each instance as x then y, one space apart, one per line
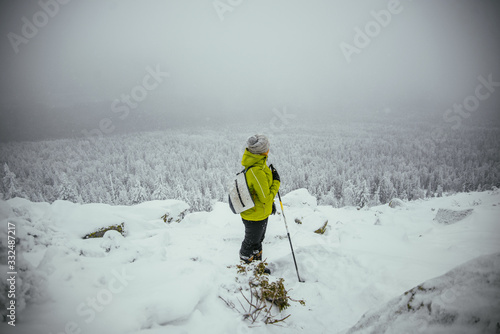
246 259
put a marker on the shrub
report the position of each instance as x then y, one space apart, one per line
100 232
264 295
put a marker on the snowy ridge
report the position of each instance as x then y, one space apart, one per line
464 300
168 277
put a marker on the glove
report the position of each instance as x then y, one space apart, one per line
276 176
274 209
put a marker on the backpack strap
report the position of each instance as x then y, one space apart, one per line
239 195
246 169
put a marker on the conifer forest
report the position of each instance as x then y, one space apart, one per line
342 164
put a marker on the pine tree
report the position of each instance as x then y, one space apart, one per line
348 194
376 198
66 190
439 191
123 197
138 194
428 193
329 198
386 191
161 191
10 183
363 195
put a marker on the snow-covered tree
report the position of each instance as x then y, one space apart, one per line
66 189
161 190
363 194
376 198
329 198
439 191
349 194
10 183
195 165
386 191
138 194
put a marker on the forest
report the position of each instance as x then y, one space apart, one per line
342 164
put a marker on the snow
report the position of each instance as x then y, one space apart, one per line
167 277
299 198
465 300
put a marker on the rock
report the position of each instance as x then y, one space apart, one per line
447 216
170 217
322 229
396 202
100 233
464 300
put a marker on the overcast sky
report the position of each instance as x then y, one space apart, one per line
250 54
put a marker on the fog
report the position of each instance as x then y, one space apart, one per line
68 66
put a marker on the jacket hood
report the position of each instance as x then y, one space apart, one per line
250 159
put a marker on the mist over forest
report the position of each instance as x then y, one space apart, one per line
80 68
363 101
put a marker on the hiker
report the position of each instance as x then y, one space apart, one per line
263 184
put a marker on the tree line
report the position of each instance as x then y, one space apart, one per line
342 164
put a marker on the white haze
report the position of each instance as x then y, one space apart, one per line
264 54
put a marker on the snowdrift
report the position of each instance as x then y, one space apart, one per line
464 300
170 269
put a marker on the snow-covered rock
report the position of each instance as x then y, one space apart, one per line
464 300
448 216
299 198
396 203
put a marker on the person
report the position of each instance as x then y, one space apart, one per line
263 184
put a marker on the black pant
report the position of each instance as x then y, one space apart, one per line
254 235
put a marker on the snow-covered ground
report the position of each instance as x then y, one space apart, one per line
168 277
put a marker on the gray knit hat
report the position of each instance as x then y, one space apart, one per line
258 144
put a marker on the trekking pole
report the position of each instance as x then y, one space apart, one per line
289 239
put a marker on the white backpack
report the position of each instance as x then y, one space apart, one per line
240 198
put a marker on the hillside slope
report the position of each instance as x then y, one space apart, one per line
168 277
464 300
